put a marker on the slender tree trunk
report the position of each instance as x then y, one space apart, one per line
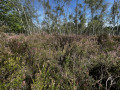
26 19
92 23
21 19
117 18
77 17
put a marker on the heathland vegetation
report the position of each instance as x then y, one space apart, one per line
59 45
60 62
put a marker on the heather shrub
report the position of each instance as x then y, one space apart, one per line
59 62
105 74
18 46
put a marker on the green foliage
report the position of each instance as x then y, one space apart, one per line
97 27
16 16
11 73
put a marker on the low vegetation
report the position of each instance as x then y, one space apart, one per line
59 62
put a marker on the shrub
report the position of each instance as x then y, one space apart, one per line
59 62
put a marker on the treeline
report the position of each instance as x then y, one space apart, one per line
89 17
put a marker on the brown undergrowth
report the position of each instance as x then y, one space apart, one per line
60 62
